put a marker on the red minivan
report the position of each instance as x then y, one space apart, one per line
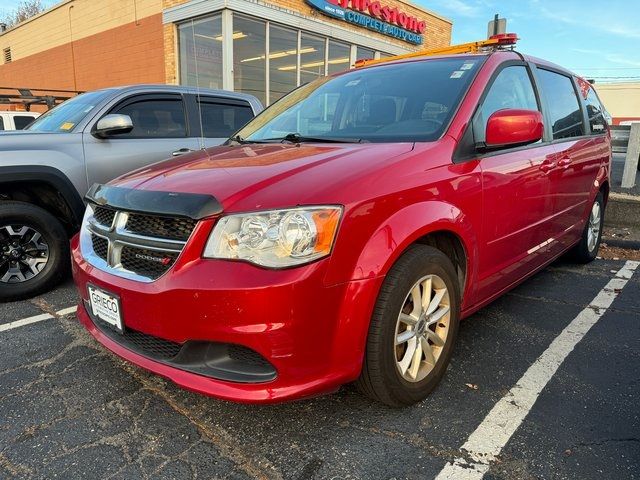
343 233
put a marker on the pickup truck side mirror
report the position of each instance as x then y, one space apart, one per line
512 127
112 124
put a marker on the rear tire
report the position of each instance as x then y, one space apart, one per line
34 251
401 324
587 249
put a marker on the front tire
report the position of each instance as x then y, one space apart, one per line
587 249
34 251
413 328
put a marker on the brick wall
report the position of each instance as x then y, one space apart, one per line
130 53
170 54
73 20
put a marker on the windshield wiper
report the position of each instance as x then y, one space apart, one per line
243 141
298 138
237 139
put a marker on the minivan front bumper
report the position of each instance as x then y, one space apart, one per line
305 338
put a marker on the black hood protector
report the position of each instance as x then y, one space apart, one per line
191 205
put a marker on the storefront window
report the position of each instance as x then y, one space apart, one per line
249 56
201 52
311 58
284 67
364 53
283 49
339 54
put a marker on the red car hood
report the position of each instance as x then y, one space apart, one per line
266 175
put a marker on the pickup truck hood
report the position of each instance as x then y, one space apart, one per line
267 175
20 140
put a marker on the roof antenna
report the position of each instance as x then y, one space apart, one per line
195 61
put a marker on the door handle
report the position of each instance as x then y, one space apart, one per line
182 151
564 162
547 166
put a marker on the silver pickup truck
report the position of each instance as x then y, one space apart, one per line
46 169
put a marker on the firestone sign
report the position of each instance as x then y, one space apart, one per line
376 16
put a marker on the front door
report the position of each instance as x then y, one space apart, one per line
517 206
159 132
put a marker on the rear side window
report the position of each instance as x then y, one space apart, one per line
595 112
22 121
155 118
512 89
1 124
220 120
563 104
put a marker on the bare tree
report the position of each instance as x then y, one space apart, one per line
25 9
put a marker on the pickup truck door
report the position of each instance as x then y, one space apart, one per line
160 131
517 205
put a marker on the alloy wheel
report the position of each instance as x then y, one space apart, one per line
422 328
593 229
23 253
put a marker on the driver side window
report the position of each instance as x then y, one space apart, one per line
154 117
512 89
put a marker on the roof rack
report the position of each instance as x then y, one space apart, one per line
496 42
42 96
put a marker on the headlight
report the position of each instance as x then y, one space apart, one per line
276 238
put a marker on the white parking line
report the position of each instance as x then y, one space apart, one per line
487 441
35 319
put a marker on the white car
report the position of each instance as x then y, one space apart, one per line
16 120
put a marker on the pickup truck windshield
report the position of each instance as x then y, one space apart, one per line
402 102
67 115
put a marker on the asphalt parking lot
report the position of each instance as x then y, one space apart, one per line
69 409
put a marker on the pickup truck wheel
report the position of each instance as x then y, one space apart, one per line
413 328
587 249
34 251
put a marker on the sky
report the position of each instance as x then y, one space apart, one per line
597 39
593 38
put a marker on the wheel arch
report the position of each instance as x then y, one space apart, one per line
605 189
436 223
453 247
45 187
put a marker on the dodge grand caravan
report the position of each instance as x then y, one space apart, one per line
343 234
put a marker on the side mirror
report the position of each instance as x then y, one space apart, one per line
112 124
513 127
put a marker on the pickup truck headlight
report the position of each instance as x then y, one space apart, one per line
275 238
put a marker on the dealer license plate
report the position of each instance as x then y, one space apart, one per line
106 307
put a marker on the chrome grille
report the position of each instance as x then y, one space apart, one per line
133 245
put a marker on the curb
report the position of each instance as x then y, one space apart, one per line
620 243
623 210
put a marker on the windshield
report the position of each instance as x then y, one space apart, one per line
67 115
410 102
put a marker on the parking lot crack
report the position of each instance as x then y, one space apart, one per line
258 468
19 471
419 442
45 306
598 443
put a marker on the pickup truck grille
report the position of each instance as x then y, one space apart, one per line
133 245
